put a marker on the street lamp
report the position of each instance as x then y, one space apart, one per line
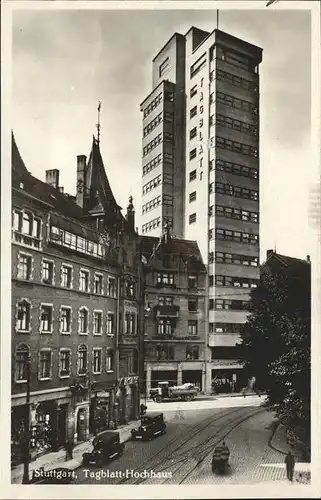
26 444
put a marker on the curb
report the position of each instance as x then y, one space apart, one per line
74 463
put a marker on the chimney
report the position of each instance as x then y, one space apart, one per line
308 258
81 184
61 189
130 216
269 253
52 178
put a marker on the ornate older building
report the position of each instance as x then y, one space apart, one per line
74 306
175 343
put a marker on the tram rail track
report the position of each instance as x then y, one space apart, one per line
149 463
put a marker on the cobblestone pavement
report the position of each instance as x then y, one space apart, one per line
183 455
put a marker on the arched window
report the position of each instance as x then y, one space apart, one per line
83 320
82 359
21 357
23 315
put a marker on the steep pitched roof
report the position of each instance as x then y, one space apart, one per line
188 250
100 196
287 261
27 184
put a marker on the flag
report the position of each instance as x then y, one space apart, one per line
271 1
99 106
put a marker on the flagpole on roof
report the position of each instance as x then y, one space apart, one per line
217 18
98 122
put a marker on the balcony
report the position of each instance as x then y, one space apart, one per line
162 284
166 311
24 239
163 337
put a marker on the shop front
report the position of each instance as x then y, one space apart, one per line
99 412
47 432
192 377
127 400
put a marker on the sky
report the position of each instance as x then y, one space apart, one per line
64 62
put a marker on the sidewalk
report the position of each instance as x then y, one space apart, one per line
278 442
57 459
208 397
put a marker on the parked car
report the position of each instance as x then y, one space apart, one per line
151 426
59 475
106 446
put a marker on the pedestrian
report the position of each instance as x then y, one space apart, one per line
69 448
143 409
289 462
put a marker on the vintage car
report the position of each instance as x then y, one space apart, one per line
151 426
220 458
106 446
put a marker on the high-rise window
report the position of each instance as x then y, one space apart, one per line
164 67
192 175
192 218
193 112
192 196
193 133
192 154
193 91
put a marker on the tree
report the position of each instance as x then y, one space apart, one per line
276 344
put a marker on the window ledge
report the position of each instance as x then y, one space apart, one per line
20 381
45 332
110 371
64 376
44 378
83 333
65 333
110 335
97 373
23 331
96 334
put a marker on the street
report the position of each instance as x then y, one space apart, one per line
183 455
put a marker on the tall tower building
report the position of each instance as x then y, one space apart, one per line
164 142
220 206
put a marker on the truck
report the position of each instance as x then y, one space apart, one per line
165 392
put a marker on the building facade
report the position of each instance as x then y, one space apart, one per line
74 307
221 179
175 343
